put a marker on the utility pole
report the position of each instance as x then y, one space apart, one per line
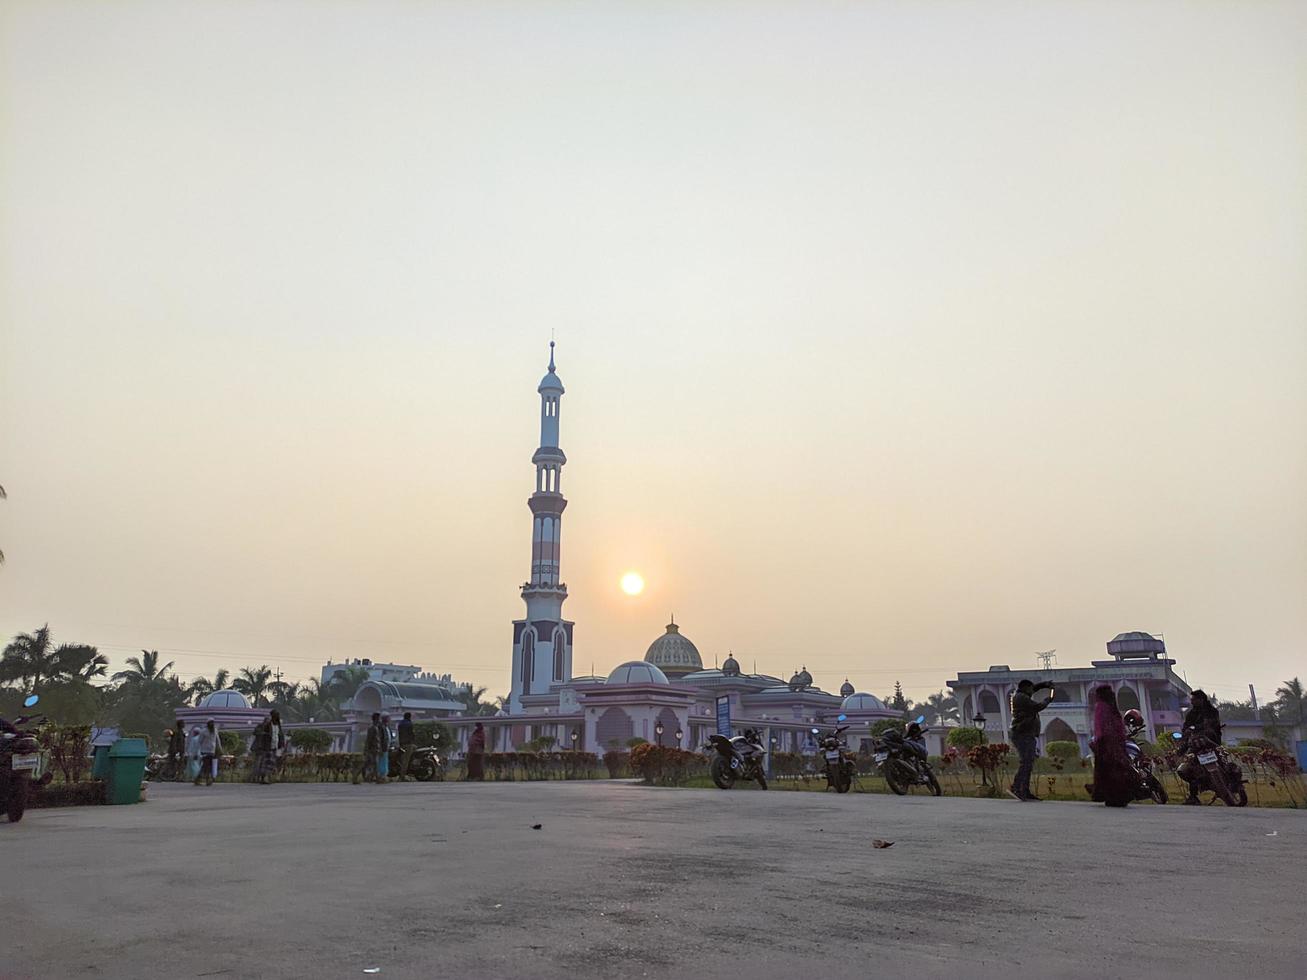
1047 658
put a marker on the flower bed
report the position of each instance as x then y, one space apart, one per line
662 766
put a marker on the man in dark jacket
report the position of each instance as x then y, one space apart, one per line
372 750
1025 733
1205 721
407 744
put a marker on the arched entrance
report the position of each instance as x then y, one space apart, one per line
1059 731
614 725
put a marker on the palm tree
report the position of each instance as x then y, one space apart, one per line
144 669
473 699
253 683
940 707
283 693
29 658
315 700
1291 702
347 682
80 662
202 687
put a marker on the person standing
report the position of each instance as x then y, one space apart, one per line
193 753
476 753
208 747
372 750
1115 781
383 763
261 747
277 742
177 750
407 743
1025 733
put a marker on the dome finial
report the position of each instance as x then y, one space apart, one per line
551 354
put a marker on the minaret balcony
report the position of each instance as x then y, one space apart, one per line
547 502
540 588
549 454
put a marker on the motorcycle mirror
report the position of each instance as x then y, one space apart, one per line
31 700
842 718
921 719
1177 736
816 731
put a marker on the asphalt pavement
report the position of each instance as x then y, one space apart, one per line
621 880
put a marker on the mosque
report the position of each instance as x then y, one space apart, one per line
668 697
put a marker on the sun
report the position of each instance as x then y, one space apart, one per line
632 583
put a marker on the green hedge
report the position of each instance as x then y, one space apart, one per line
88 793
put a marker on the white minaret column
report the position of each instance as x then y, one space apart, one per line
542 642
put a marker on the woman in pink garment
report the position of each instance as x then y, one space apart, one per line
1114 777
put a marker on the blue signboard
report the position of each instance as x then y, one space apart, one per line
724 715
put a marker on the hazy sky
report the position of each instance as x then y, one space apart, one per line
899 338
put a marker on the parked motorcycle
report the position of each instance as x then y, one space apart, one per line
740 757
425 765
840 767
21 762
1150 787
902 764
1211 767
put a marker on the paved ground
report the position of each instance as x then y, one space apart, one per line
443 880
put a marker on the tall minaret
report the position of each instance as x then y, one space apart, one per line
542 642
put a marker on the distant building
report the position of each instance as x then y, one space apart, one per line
1140 671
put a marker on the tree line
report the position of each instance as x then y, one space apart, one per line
75 687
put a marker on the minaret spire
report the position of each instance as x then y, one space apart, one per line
542 643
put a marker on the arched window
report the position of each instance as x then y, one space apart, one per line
560 654
1126 698
989 704
528 659
1058 731
613 728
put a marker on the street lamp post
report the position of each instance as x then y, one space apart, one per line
680 735
658 730
574 736
979 722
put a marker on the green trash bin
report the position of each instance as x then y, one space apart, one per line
126 770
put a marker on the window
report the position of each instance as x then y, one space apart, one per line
989 704
528 658
560 651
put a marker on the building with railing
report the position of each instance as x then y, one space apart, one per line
1140 672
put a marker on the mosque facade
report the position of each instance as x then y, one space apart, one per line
668 697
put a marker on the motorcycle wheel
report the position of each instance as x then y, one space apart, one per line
935 788
1156 791
1241 796
895 778
423 770
843 783
720 770
17 800
1217 781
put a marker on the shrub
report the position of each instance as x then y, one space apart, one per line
615 761
1062 752
232 744
637 740
965 738
310 739
664 766
987 758
88 793
68 746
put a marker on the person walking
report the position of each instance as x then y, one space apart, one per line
476 753
1025 733
407 743
1115 781
208 746
193 753
372 750
260 748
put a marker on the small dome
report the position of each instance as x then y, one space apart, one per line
674 654
730 667
846 688
550 383
864 703
637 672
226 699
801 680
